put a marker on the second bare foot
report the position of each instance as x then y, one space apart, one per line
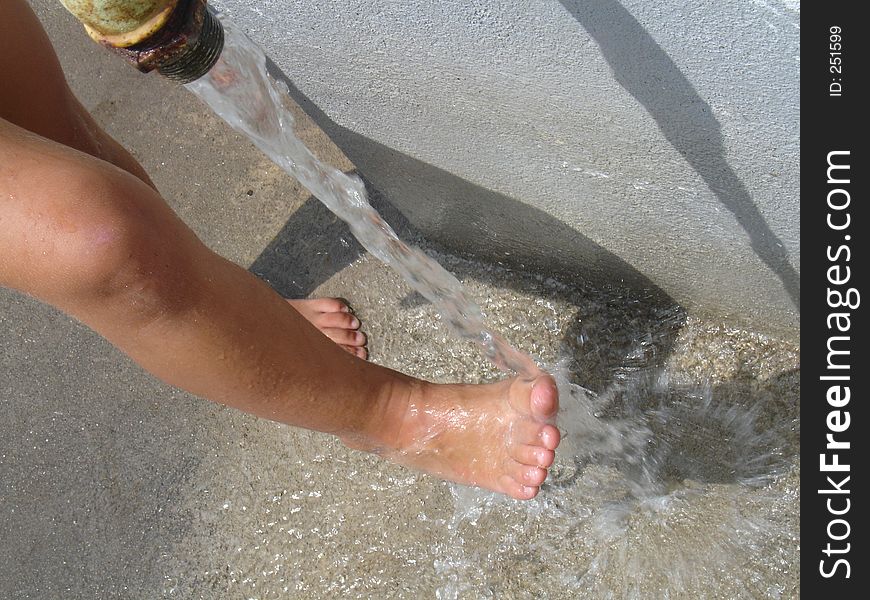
333 317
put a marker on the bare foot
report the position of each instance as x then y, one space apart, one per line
332 317
496 436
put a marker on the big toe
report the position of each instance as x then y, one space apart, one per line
538 398
545 398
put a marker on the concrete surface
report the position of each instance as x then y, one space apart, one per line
117 486
601 139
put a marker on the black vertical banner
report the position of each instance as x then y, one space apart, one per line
835 425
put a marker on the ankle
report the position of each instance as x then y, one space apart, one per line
391 416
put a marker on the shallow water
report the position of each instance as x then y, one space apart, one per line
280 512
676 477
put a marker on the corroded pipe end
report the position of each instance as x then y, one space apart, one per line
196 60
184 48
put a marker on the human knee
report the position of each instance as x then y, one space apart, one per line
114 249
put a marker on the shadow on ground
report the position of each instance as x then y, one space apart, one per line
467 219
620 343
478 223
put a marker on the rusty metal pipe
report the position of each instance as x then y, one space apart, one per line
121 22
181 39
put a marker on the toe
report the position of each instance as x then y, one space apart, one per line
544 401
527 475
550 437
533 433
319 305
358 351
515 489
345 337
529 454
329 305
336 320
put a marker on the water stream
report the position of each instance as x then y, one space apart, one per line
241 91
662 487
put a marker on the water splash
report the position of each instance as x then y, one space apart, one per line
240 90
666 501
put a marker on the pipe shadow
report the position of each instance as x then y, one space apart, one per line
466 219
646 72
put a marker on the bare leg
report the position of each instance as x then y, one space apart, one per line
98 242
37 98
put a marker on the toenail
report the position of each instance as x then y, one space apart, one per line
354 322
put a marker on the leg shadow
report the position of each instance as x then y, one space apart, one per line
312 246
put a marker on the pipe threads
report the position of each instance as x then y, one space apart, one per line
196 60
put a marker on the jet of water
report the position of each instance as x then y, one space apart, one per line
241 91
